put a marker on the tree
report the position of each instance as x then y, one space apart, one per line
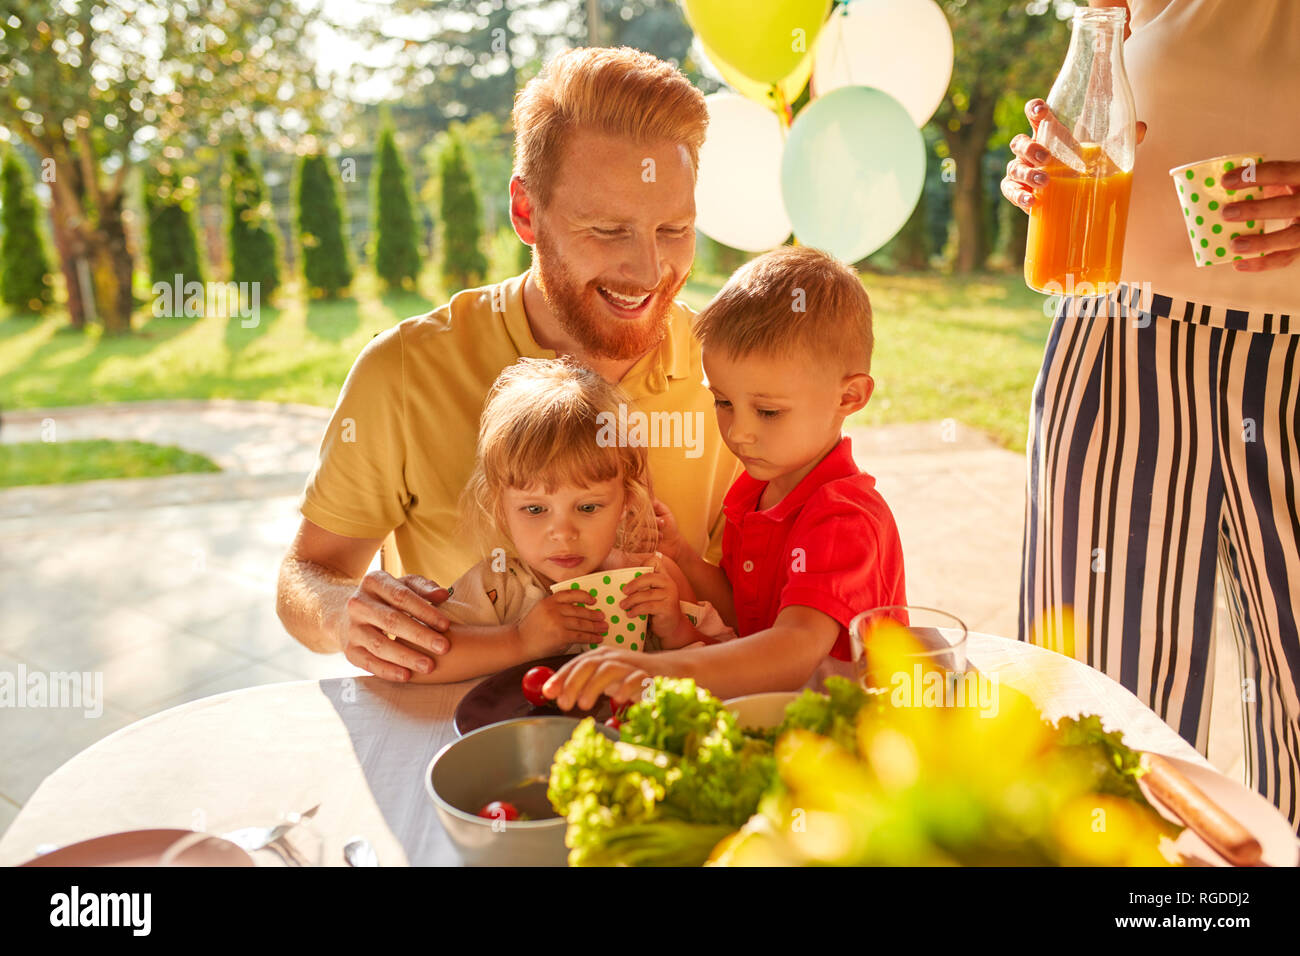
397 249
254 252
172 242
1001 47
24 263
96 86
326 264
463 262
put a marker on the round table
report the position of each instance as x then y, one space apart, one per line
359 748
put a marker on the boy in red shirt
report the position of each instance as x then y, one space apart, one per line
809 542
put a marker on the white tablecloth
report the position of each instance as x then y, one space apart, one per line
359 748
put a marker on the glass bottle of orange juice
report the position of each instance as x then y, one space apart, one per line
1076 228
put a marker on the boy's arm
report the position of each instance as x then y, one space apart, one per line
783 657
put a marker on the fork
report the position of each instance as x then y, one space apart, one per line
258 838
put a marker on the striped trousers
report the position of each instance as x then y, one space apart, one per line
1160 450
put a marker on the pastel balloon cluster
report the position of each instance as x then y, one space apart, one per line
845 175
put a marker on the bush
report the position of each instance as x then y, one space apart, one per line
463 262
397 248
254 252
326 264
172 242
24 262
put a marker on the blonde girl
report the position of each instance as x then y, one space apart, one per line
549 501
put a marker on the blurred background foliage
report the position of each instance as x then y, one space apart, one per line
140 115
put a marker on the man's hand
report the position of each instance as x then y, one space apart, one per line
656 594
1282 247
403 607
617 673
559 620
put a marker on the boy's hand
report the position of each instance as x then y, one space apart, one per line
559 620
670 539
656 594
617 673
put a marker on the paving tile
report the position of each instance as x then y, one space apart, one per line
90 639
211 597
8 813
254 629
253 675
137 679
308 665
36 740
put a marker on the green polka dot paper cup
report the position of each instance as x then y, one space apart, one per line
1201 197
627 632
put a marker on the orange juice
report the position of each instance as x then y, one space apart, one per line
1076 229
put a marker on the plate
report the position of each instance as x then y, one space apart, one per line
143 848
501 697
1254 812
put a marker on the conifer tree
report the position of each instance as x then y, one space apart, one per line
463 261
24 262
397 250
254 251
326 264
171 239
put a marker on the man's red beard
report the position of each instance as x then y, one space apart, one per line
583 317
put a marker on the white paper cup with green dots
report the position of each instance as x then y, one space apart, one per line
625 631
1201 197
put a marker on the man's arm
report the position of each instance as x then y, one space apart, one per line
328 602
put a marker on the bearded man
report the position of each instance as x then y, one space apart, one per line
606 154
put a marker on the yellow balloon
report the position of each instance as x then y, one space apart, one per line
764 93
763 41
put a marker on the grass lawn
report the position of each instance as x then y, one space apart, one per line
946 347
50 463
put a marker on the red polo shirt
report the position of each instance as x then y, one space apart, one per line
830 544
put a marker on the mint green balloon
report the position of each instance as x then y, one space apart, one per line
765 40
852 171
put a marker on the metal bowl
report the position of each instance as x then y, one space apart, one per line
486 765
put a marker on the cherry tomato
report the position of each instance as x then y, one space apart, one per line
533 681
613 723
499 810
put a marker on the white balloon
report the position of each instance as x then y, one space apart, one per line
903 47
738 193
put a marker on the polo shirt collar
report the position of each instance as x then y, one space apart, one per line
670 360
516 318
650 375
838 463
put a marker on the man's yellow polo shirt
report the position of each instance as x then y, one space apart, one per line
400 445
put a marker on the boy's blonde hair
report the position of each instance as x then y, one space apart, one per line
539 428
792 300
622 92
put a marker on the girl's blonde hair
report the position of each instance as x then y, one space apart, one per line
541 427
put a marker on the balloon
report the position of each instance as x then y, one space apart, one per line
903 47
852 171
761 93
763 41
738 191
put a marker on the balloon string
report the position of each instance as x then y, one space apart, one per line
784 112
786 116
